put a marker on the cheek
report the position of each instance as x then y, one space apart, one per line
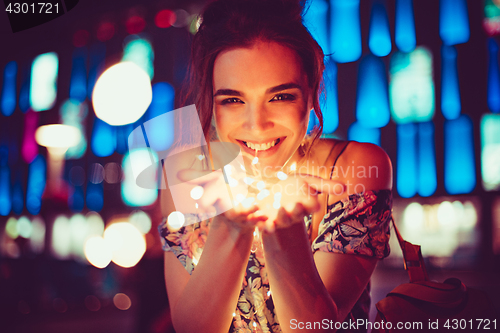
222 123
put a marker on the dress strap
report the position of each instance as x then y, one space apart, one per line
335 153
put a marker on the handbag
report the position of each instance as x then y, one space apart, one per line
427 306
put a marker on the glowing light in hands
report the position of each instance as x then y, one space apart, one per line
196 192
281 175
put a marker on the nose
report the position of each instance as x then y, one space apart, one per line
258 118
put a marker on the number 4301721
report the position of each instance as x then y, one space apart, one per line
472 324
33 8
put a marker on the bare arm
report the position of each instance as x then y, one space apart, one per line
326 286
206 300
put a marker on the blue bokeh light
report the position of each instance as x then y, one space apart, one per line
345 33
407 173
360 133
76 200
8 97
78 82
493 77
17 198
316 20
372 107
94 197
160 132
405 26
5 190
450 90
103 140
459 161
426 159
379 39
453 22
96 65
329 101
36 184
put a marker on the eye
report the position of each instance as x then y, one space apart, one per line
232 100
283 97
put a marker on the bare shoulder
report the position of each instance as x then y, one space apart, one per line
367 153
361 166
370 166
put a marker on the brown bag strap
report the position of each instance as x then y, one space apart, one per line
449 292
413 260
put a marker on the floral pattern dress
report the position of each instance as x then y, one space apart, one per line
358 224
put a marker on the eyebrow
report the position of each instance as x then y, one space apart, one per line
281 87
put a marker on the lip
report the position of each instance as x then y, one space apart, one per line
261 153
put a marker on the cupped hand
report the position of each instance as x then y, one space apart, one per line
294 198
215 197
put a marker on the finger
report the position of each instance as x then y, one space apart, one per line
283 219
240 210
298 212
269 226
216 191
321 185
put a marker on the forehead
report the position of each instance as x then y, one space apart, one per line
261 66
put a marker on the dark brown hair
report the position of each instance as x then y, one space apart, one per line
240 23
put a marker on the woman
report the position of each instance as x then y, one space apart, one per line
255 74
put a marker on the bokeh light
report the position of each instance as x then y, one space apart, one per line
8 94
24 227
141 221
175 220
11 228
122 94
134 162
43 89
37 239
61 242
122 301
127 243
98 252
92 303
112 173
165 18
105 31
135 24
345 31
81 38
57 136
181 18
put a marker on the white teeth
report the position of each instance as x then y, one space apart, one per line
262 146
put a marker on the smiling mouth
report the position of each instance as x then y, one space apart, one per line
262 146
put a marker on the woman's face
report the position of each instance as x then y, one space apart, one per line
261 101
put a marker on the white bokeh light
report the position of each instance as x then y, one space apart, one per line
197 192
175 220
58 136
126 242
98 252
122 94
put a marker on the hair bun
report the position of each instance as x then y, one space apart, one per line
260 10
